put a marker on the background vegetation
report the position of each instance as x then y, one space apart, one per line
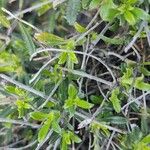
75 74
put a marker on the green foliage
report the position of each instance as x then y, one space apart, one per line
81 89
42 10
22 106
44 129
22 102
136 140
67 138
74 101
96 99
28 39
115 100
73 8
79 28
83 104
140 14
49 39
95 127
68 57
95 4
137 82
116 120
126 10
85 3
49 120
4 21
10 65
108 10
129 17
38 116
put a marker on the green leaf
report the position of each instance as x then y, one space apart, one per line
96 99
146 63
10 65
131 1
3 3
96 126
72 91
21 107
115 101
128 73
146 139
83 104
42 10
112 13
115 40
85 3
73 58
70 45
139 84
50 104
73 8
145 71
69 103
40 116
116 120
70 57
95 3
45 128
49 39
11 89
75 138
27 39
140 13
144 123
107 10
5 68
130 18
64 145
27 106
4 21
15 90
79 28
66 137
63 58
56 127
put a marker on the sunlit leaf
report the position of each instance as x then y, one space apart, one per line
49 39
130 18
72 91
40 116
4 21
140 13
79 28
73 57
75 138
63 58
45 127
83 104
69 103
115 100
